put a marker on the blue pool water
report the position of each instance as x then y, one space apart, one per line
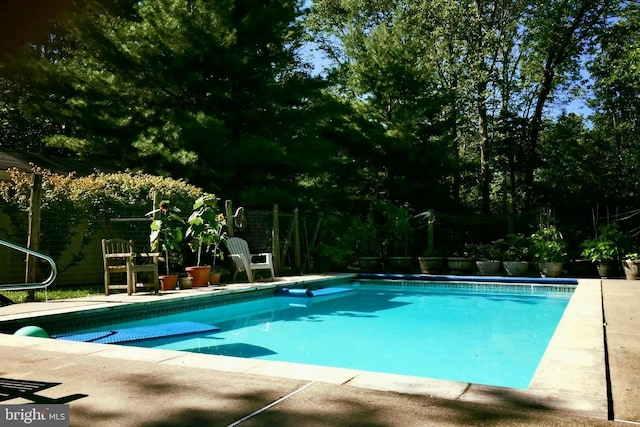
492 339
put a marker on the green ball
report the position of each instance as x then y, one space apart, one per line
32 331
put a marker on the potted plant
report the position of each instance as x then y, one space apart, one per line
365 236
578 265
166 237
516 254
204 233
432 262
185 282
605 249
329 256
630 265
335 249
488 258
549 249
398 238
461 262
214 248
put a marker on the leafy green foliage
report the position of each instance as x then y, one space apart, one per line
394 96
206 225
70 203
617 105
608 245
490 70
434 104
490 251
516 247
548 245
55 293
213 92
167 232
398 230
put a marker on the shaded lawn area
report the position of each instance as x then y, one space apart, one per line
55 293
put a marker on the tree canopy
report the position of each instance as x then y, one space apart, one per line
456 105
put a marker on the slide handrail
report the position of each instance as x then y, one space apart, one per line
26 286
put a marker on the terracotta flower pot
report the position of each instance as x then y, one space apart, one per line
200 275
169 282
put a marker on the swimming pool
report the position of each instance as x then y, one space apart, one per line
485 334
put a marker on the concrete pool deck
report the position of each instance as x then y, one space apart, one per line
109 385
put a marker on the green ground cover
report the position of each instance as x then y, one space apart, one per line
55 294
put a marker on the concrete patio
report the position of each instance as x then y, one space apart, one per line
588 374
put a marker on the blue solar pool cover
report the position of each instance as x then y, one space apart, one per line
140 333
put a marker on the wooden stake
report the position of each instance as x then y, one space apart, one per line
33 240
275 241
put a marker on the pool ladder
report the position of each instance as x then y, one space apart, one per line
28 286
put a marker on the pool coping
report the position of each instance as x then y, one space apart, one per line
83 313
570 377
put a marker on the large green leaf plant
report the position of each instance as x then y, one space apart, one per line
608 244
548 245
167 231
206 226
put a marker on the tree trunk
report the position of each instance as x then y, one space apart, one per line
531 151
566 42
485 174
481 103
457 180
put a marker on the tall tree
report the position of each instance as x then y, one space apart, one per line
34 23
558 33
379 69
615 70
214 92
492 42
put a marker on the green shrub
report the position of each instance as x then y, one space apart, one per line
72 204
607 246
548 245
516 247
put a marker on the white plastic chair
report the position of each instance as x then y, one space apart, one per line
246 261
